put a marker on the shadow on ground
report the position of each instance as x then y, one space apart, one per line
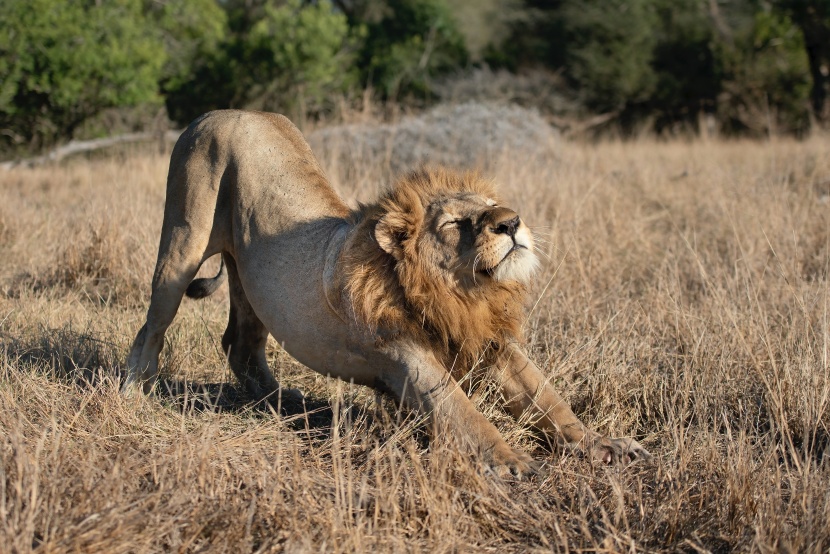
299 410
85 361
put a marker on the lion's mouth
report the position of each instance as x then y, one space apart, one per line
488 271
516 247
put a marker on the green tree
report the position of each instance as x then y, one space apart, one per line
286 56
605 48
63 62
486 24
688 69
192 32
407 43
194 79
297 56
609 46
813 18
766 82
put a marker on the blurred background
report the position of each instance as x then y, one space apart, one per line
81 69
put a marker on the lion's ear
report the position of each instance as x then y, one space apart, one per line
390 232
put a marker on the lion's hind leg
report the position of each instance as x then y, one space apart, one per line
244 340
180 255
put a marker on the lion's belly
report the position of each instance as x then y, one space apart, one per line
327 353
283 280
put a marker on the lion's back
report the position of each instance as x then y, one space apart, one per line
258 161
247 137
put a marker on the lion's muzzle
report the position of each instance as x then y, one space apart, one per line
505 246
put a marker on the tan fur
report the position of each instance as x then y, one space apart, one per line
400 295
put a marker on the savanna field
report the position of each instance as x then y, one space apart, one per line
683 301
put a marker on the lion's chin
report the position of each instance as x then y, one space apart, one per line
520 264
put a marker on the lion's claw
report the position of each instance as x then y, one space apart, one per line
619 451
506 462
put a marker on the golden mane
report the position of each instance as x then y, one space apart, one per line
414 297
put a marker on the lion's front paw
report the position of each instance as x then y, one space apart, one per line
618 451
506 461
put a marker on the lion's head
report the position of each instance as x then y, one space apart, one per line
438 256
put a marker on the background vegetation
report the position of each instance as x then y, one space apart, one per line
739 67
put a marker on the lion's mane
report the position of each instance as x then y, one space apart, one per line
414 297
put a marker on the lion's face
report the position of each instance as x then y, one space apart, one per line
473 240
449 228
458 269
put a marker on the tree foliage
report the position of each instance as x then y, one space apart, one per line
608 46
297 54
756 66
281 56
689 72
191 32
406 44
748 63
64 61
813 18
767 83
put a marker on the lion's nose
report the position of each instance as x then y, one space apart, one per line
507 226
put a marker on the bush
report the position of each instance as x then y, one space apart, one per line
412 42
297 56
609 50
193 34
470 135
65 61
279 56
687 65
767 83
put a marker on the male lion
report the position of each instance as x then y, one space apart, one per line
404 295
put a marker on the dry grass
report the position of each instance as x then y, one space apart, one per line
684 302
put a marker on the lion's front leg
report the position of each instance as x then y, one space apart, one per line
528 392
414 375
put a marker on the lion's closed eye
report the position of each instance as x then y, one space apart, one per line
448 222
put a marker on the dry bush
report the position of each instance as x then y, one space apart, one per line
684 301
539 89
95 264
469 135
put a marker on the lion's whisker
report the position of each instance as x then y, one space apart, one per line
475 261
543 254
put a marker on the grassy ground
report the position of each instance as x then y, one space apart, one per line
684 301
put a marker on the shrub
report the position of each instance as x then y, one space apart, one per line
608 50
279 56
412 42
63 62
767 84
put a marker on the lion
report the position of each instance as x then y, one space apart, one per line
405 295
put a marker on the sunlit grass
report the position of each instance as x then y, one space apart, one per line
684 301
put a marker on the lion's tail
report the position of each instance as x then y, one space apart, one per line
205 286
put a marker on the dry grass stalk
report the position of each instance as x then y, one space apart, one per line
684 301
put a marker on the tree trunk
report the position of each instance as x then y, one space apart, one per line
819 64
